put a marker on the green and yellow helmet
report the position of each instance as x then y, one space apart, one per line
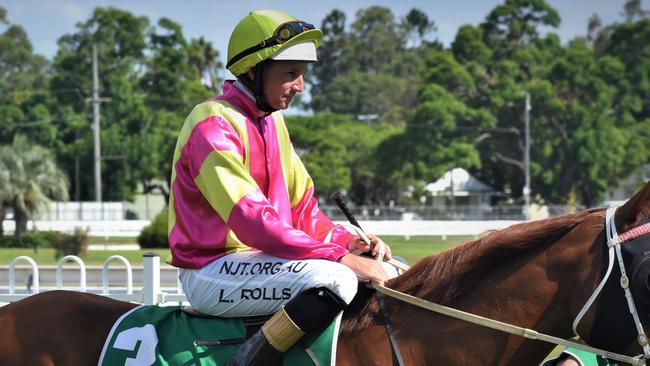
265 34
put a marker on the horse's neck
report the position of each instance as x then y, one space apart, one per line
541 289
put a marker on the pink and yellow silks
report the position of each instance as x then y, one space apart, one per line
238 183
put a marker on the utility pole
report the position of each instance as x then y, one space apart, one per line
96 100
526 190
77 181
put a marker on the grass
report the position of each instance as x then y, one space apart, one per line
112 240
418 247
97 257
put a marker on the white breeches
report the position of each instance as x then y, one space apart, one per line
252 283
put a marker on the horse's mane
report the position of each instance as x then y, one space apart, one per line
444 276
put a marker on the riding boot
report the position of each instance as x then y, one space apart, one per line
309 312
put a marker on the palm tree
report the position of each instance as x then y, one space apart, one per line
205 58
29 179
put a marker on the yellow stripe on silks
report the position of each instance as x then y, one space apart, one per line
296 178
171 214
302 180
209 109
223 181
238 122
233 244
200 113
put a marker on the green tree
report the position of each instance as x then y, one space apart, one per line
432 143
205 58
590 109
489 70
120 40
30 180
172 85
629 42
338 153
588 118
153 76
417 26
515 23
329 52
582 145
632 10
353 66
171 82
23 79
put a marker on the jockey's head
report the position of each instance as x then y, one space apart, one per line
260 39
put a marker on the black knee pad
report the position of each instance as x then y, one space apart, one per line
314 309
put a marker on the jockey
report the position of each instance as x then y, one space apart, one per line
244 225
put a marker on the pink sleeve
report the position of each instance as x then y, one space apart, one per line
307 217
256 223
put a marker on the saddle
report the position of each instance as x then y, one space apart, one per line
252 324
169 335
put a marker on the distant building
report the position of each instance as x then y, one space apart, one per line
458 187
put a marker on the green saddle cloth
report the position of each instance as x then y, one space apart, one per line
583 357
161 336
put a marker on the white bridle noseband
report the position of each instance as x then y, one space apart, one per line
614 245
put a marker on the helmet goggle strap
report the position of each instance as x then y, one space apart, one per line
282 34
256 86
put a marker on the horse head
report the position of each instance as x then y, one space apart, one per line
611 325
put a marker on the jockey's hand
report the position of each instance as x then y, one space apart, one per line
358 244
365 268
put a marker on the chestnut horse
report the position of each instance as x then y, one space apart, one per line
536 275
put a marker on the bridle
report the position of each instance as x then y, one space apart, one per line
613 243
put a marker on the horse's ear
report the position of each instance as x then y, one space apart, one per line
634 210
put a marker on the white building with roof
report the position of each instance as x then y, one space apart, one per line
458 187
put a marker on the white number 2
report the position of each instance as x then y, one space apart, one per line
128 339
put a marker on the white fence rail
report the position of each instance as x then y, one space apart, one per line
82 272
151 292
129 274
12 274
